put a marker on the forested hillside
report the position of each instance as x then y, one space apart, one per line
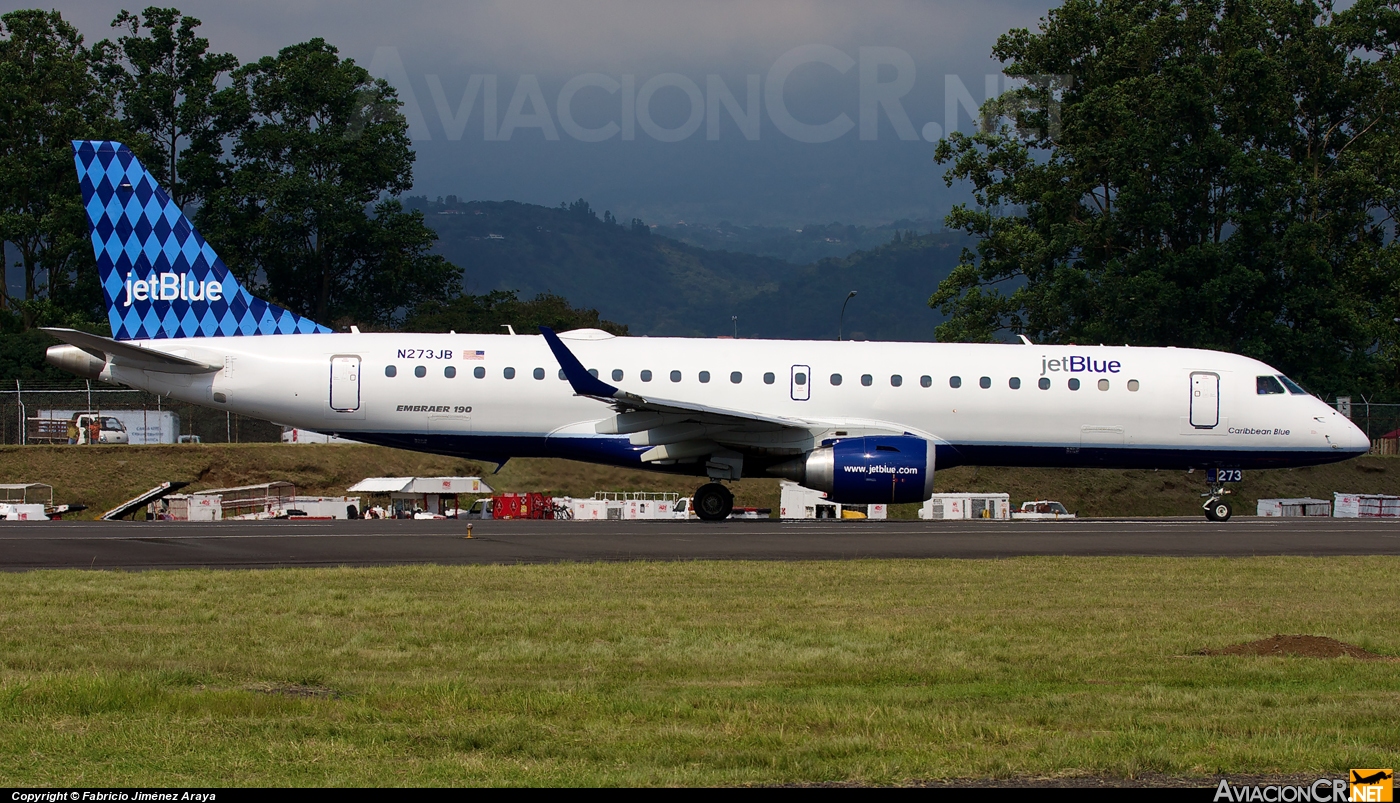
659 286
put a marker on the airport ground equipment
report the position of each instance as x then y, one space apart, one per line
29 501
431 495
130 506
644 505
1290 508
967 506
1365 506
797 502
522 506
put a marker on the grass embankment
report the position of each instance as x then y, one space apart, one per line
101 477
693 673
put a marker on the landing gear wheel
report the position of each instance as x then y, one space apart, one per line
713 502
1219 511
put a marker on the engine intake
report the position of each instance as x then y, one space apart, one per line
868 470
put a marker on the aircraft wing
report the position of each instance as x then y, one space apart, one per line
130 354
678 429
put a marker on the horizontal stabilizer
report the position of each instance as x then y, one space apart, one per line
131 355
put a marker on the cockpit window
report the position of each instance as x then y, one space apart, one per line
1267 386
1292 386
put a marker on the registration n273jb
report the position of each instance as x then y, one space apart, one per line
863 422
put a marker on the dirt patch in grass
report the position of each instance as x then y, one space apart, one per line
1298 647
294 690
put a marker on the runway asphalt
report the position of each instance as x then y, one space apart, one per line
263 544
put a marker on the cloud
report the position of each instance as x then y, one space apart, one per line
611 36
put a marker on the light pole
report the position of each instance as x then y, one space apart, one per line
840 325
735 319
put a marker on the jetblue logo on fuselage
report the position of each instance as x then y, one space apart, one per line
1079 365
171 286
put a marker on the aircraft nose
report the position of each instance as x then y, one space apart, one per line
1355 439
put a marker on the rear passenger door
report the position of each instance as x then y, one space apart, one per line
345 383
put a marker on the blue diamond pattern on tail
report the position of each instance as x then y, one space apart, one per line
160 277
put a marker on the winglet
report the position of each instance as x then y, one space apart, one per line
584 383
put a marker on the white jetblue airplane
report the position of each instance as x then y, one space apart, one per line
863 422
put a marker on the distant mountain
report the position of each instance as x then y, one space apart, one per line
661 286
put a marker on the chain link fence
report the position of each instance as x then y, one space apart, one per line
28 413
1380 422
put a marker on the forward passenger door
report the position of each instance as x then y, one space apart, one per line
1205 399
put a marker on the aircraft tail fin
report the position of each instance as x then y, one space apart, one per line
160 278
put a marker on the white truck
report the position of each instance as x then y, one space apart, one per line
81 427
1042 509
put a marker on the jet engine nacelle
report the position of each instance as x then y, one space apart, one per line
868 470
75 361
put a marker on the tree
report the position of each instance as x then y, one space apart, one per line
1209 173
165 80
49 96
490 312
301 211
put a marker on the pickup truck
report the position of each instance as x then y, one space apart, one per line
1042 509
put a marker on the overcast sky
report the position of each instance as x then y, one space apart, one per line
775 112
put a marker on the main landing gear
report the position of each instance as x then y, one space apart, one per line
713 502
1217 509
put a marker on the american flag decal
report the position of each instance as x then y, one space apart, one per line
473 355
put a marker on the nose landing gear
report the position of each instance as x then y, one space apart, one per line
1217 509
713 502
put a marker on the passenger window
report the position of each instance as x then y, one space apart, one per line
646 375
479 372
391 371
954 381
1133 385
1014 383
705 377
1267 385
769 378
617 374
593 372
835 379
561 374
450 371
736 377
675 376
509 373
926 381
1073 384
1044 383
538 373
1103 384
799 378
985 382
867 380
896 380
421 371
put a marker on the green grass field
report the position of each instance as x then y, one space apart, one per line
693 673
101 477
